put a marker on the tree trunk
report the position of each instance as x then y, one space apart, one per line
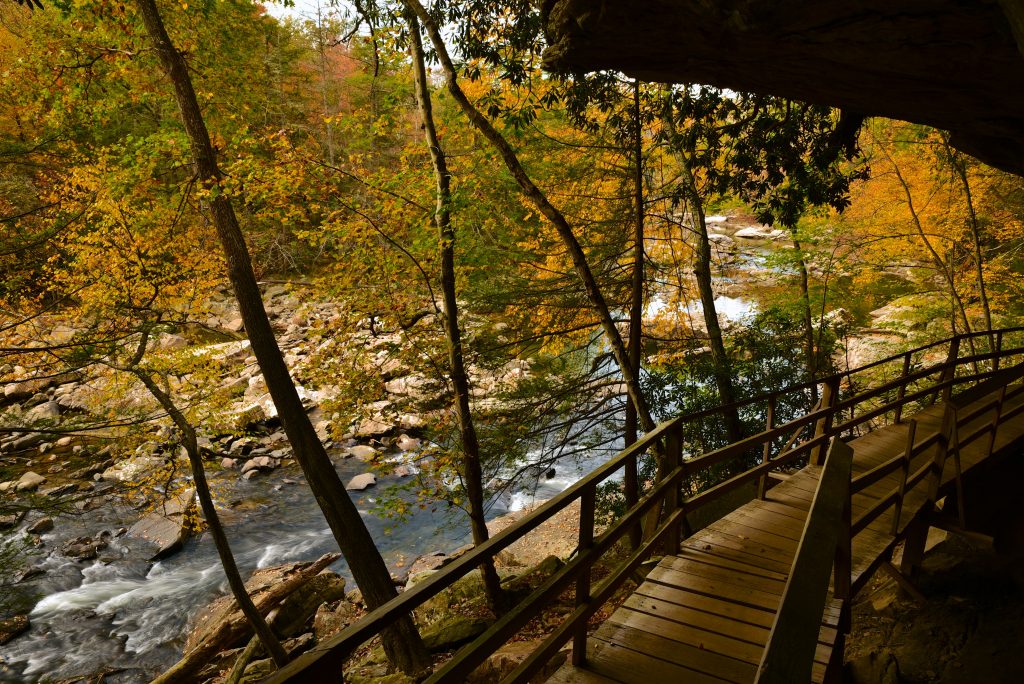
401 642
960 169
722 368
220 539
810 357
941 266
636 305
471 461
540 200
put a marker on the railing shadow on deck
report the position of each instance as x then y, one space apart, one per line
670 508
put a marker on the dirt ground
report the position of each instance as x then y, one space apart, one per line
970 630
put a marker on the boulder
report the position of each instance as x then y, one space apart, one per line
407 443
259 464
295 611
331 619
251 414
83 548
361 482
169 525
48 410
41 526
506 659
362 452
13 627
8 521
30 481
453 631
372 427
235 325
761 233
59 490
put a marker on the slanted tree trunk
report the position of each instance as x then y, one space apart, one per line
220 539
401 642
722 368
543 204
471 462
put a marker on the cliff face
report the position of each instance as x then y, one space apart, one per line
953 64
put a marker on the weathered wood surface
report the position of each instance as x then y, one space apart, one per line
953 64
706 613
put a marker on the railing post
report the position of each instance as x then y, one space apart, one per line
674 453
631 484
586 540
998 350
823 426
769 423
902 391
949 372
908 454
997 416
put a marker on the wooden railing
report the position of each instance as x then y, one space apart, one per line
676 504
789 654
826 545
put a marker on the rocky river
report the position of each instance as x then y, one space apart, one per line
98 604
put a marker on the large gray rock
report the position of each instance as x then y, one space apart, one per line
362 452
41 526
169 525
48 410
30 481
361 482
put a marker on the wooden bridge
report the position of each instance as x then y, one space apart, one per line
764 542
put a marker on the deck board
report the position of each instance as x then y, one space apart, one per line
705 614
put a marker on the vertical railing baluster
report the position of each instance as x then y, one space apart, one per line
998 350
586 541
823 426
902 391
766 454
631 483
949 372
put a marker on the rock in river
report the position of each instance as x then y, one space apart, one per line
361 482
169 525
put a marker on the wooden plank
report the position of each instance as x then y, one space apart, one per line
626 622
627 666
743 549
715 572
728 560
793 642
736 629
680 596
718 587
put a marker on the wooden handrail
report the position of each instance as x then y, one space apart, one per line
666 495
789 655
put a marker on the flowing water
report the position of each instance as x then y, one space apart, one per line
121 611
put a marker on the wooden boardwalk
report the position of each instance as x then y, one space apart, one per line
706 613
